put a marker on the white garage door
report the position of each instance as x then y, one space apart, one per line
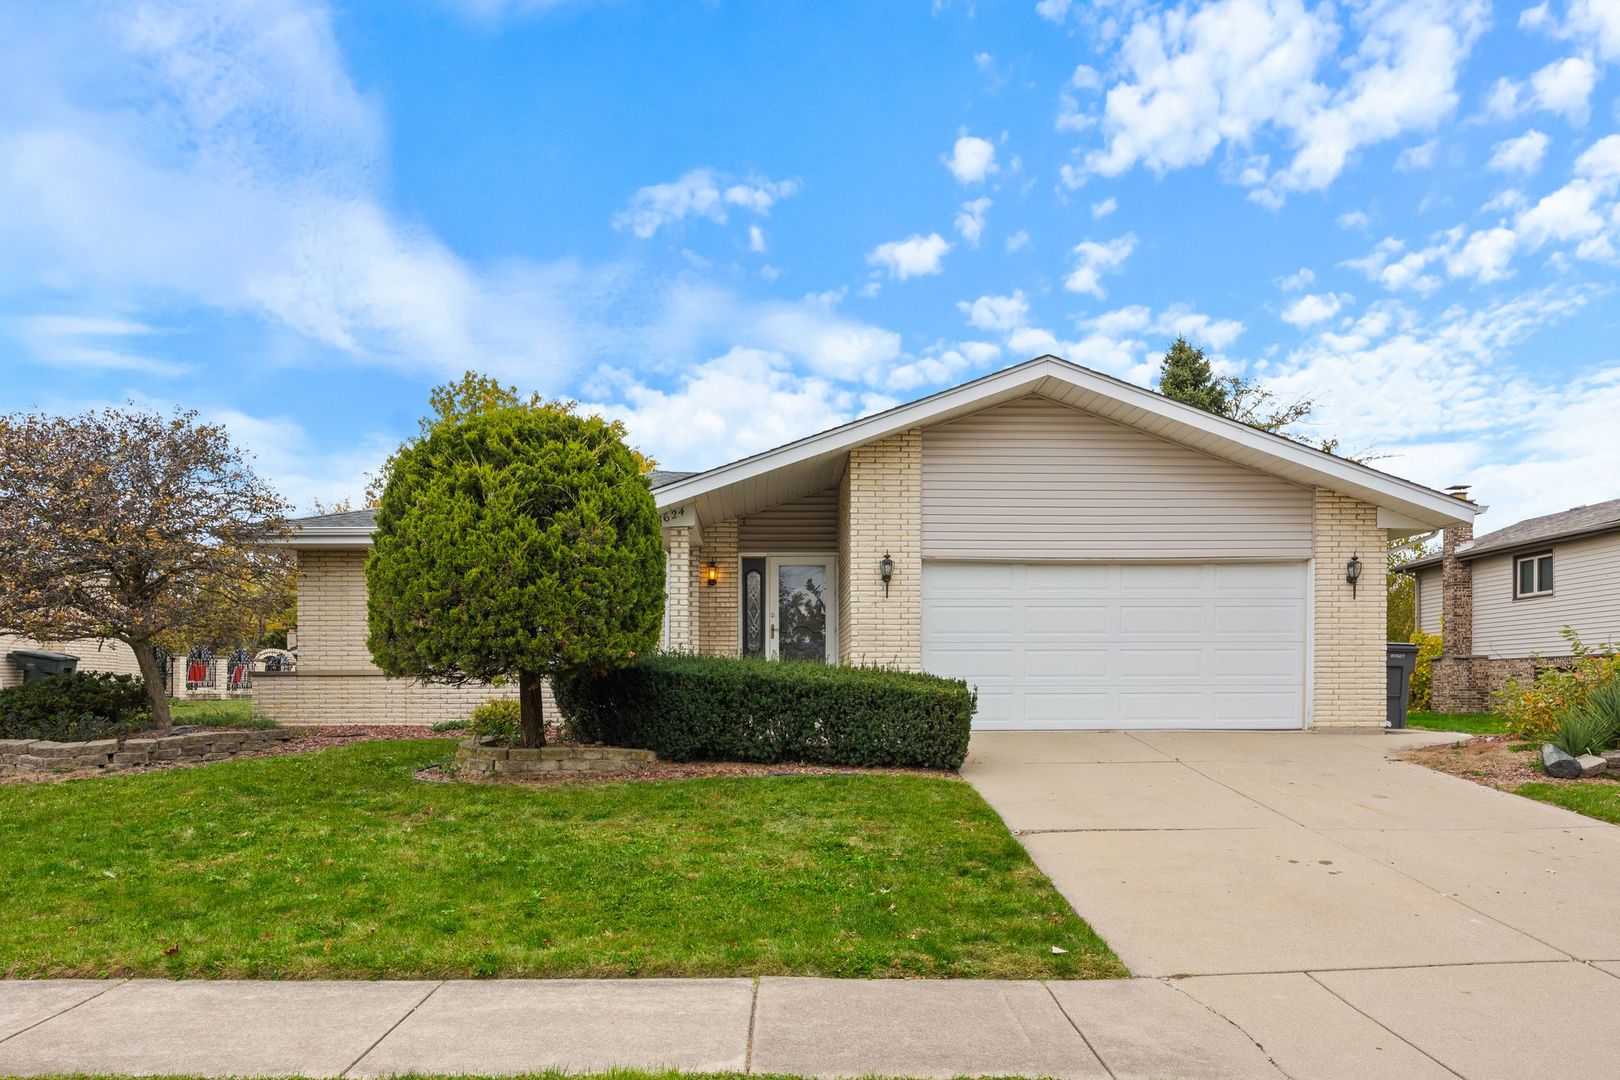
1121 645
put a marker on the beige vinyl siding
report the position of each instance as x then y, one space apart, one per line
808 524
1586 596
1429 596
94 654
1033 479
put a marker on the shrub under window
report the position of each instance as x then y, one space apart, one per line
687 708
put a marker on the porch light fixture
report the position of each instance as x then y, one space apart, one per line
886 571
1352 573
713 575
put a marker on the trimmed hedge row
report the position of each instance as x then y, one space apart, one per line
687 708
75 707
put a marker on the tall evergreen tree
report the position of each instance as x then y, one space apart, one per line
1185 375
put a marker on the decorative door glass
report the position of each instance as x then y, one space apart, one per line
753 607
801 611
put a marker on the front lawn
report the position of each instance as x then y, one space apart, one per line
1598 797
340 864
1466 723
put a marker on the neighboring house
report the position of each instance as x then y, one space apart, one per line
1085 552
95 654
1501 602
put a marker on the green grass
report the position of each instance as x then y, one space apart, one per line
1596 798
339 864
236 712
1467 723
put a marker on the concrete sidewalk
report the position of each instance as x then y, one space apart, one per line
1514 1021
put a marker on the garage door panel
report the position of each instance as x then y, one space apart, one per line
1161 663
1258 663
1052 618
1159 621
1065 663
1143 708
1266 619
1052 646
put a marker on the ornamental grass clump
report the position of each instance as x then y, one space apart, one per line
1592 726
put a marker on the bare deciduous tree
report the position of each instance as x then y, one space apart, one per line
130 525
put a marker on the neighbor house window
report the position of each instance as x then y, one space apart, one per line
1534 575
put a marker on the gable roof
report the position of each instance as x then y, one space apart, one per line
816 462
1565 525
350 528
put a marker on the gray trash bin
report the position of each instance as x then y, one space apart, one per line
1400 659
38 664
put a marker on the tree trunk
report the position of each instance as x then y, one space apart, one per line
532 709
154 684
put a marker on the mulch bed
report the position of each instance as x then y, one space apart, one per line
670 770
1499 761
304 739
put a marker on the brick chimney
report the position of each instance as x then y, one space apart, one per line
1456 593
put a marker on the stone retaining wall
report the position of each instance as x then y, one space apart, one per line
479 760
42 755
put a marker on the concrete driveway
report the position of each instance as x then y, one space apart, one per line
1334 904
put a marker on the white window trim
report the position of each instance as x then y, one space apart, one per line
1535 561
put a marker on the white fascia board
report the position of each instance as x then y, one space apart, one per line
325 538
1332 472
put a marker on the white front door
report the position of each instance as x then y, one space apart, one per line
1121 645
801 607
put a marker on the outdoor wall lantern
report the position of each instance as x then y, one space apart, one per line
886 571
713 575
1352 573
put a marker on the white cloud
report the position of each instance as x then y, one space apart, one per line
970 220
1522 154
1417 158
915 256
1484 256
1232 71
1312 308
1566 214
1354 219
1596 22
756 239
89 343
1565 87
1534 18
1093 260
739 403
972 159
701 193
1100 210
1018 240
1298 280
1053 10
1004 313
1601 160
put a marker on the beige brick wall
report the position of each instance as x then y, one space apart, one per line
336 681
880 509
679 618
95 654
332 611
1347 683
718 617
305 698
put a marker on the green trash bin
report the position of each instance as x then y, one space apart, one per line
39 664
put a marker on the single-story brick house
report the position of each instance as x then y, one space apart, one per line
1500 602
1086 552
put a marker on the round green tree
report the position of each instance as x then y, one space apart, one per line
516 543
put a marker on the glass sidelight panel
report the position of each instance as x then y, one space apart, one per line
753 607
801 611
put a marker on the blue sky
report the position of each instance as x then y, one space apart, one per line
732 224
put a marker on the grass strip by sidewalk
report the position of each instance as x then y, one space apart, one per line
1466 723
340 864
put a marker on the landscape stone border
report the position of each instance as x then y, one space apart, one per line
476 758
42 755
